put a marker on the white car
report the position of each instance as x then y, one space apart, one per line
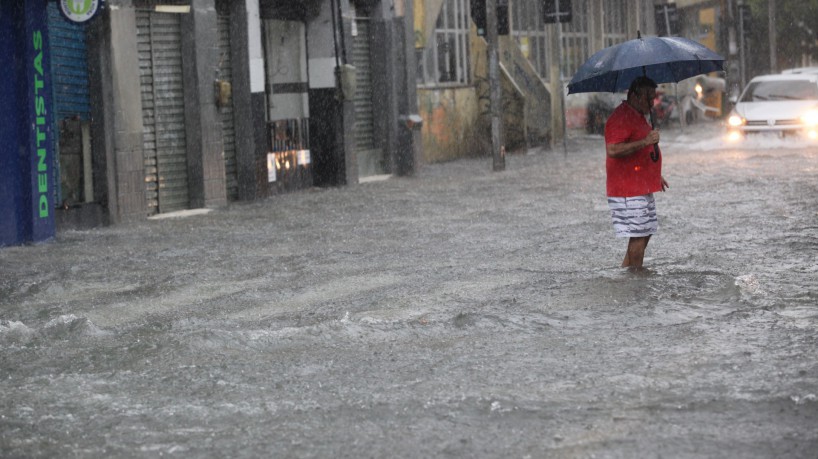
785 104
800 70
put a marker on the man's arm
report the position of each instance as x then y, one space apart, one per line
621 150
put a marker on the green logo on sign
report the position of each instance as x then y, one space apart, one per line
79 10
79 6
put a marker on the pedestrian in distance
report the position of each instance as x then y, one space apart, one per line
633 175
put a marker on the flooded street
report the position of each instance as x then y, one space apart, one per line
461 313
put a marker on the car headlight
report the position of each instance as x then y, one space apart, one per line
810 118
736 121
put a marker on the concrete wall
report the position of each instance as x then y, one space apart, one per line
527 100
248 99
118 137
205 146
450 124
410 148
332 148
393 47
530 108
456 120
513 123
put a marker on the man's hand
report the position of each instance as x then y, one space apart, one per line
652 138
665 186
621 150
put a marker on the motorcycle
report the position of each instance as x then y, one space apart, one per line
663 108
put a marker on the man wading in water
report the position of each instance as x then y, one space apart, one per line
633 176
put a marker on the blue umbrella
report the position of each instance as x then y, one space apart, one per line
662 59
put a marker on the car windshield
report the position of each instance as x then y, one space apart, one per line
780 90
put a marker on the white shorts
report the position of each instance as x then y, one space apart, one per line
634 216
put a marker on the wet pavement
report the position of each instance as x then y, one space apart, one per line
460 313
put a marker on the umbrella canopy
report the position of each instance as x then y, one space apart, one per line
662 59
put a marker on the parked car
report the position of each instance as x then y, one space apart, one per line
782 103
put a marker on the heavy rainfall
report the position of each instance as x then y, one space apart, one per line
423 306
459 313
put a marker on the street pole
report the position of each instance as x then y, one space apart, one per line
559 83
734 71
495 109
771 33
742 39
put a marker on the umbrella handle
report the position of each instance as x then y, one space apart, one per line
654 155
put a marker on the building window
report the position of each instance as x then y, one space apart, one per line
528 30
445 59
615 25
575 39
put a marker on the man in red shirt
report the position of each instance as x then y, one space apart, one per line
633 175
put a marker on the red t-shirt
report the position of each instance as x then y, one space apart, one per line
636 174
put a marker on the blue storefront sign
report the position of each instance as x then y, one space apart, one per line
26 128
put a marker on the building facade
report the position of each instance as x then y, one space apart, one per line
157 106
537 60
709 23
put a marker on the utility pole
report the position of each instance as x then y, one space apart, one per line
559 82
495 109
734 70
743 41
773 38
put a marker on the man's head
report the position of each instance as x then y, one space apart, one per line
641 94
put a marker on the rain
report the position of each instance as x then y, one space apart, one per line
451 309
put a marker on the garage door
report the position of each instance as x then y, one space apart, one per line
369 154
163 111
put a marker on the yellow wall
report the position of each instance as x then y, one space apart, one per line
450 118
707 21
451 115
426 13
456 120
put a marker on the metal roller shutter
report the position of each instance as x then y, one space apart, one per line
228 121
163 111
69 59
370 157
71 101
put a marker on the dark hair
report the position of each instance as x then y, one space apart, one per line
641 82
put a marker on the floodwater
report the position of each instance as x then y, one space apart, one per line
461 313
